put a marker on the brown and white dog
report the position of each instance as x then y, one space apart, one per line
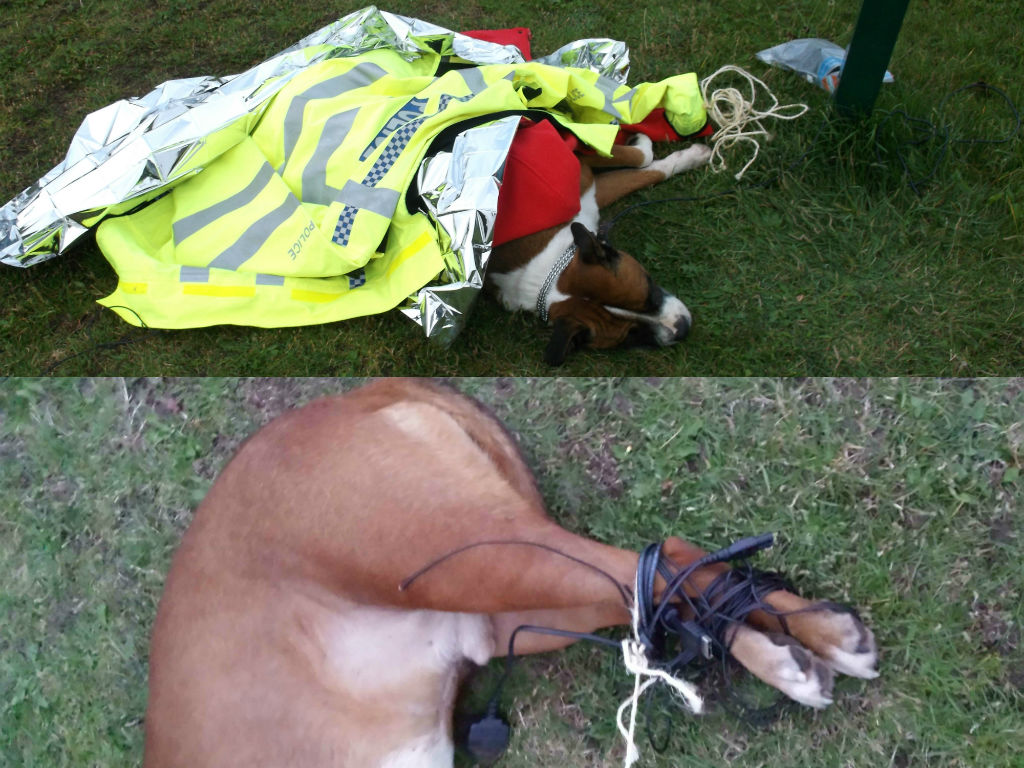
283 638
593 294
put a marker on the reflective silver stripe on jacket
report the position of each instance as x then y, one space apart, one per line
245 247
189 225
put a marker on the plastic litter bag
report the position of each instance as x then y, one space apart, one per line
819 61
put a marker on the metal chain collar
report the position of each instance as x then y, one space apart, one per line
549 283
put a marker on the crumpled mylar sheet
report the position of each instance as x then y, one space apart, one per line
129 152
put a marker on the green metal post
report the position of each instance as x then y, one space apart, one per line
874 37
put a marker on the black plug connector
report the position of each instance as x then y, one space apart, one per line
740 549
488 737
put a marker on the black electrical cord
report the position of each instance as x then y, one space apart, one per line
623 591
124 341
487 738
925 131
701 629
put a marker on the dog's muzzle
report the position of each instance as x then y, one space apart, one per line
670 324
674 321
682 327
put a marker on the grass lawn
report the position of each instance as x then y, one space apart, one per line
839 268
901 497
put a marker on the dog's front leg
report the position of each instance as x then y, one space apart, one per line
823 638
585 618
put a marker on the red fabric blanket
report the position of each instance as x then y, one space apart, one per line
541 184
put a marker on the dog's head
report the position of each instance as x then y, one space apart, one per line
610 301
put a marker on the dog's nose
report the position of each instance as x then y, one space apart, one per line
682 328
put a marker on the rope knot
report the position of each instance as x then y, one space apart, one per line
634 658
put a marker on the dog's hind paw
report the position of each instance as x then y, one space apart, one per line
694 156
801 675
852 650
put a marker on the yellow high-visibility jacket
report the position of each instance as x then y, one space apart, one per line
303 219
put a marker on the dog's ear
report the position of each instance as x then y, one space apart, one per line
567 336
591 249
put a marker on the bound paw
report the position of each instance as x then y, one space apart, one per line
839 637
783 663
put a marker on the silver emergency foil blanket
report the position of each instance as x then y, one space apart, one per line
460 190
129 152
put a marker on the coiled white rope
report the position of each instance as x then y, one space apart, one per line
634 656
737 120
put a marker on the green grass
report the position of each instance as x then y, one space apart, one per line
901 497
838 268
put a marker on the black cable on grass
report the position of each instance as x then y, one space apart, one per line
925 129
124 341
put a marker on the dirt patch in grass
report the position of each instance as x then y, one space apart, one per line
993 626
600 463
268 398
1004 529
222 447
63 615
59 488
504 387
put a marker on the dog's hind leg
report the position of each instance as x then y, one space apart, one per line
638 153
824 640
465 516
500 553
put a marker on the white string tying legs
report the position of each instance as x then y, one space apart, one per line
634 656
736 118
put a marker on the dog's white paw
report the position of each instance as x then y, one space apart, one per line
643 142
783 663
851 647
684 160
800 674
694 156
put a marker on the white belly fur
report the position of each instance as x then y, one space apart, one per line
432 751
411 658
